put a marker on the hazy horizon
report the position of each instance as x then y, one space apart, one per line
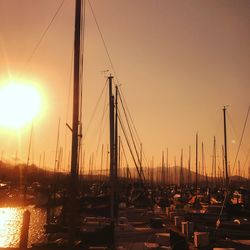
178 62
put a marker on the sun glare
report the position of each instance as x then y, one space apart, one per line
19 104
10 223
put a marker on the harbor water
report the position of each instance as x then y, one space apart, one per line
11 222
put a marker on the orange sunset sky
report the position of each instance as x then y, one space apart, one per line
178 63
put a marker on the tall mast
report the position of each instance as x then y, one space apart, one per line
189 166
162 169
215 156
152 171
223 165
175 171
239 173
202 162
196 165
76 95
141 171
116 134
167 170
75 123
181 169
225 145
112 151
119 161
248 172
101 173
116 152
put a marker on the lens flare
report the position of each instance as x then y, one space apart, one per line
19 104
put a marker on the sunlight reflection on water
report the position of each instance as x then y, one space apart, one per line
11 222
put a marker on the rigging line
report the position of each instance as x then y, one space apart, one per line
94 110
132 137
243 131
103 41
103 122
68 101
248 153
105 107
126 160
82 45
30 142
125 113
232 125
234 130
43 35
57 144
136 133
102 128
130 149
138 140
242 134
218 124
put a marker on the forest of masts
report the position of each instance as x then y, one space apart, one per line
164 174
179 172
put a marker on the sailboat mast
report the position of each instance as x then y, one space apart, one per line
225 145
76 101
76 94
196 166
116 136
215 173
181 170
189 166
175 171
101 164
167 170
202 162
112 148
162 169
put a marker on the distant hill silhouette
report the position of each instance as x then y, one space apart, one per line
32 173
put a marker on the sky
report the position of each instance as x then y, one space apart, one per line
178 64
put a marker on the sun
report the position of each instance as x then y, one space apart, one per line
20 103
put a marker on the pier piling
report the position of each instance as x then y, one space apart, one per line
25 230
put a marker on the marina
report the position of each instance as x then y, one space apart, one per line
120 199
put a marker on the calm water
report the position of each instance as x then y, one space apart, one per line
11 223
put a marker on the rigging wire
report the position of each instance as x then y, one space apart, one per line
234 130
138 140
83 18
68 101
132 137
101 129
244 127
126 160
30 144
43 35
232 124
112 66
103 121
129 146
248 154
133 130
218 124
105 108
94 112
129 127
103 41
225 198
129 114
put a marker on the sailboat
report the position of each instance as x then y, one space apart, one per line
71 220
